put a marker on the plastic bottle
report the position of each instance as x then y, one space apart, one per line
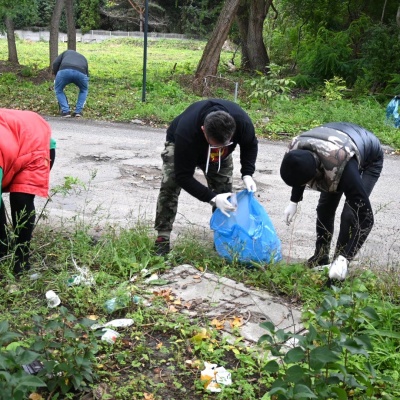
116 303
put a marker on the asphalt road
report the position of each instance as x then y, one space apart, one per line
120 165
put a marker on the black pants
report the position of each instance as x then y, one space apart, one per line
23 220
347 245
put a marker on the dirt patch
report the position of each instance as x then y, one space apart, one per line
25 72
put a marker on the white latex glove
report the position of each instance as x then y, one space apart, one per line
290 212
338 268
221 201
249 183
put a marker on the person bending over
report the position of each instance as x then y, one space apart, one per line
71 67
336 158
203 136
27 153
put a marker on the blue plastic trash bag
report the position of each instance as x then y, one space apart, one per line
392 112
248 235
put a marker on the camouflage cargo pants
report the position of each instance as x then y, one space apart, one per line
167 202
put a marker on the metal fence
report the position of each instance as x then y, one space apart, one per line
93 36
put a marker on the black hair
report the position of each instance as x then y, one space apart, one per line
220 126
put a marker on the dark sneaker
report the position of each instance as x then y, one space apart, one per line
19 268
78 115
317 261
162 246
66 115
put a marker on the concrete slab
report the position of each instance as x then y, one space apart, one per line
226 300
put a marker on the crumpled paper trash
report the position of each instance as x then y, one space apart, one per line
115 323
52 299
213 377
84 277
109 335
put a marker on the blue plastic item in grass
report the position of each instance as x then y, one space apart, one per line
248 234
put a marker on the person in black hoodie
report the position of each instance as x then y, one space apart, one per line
71 67
203 136
336 158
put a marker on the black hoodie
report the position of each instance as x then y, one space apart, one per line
71 59
191 147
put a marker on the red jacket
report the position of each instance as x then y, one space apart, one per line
24 152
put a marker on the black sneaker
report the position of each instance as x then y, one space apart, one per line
66 115
78 115
162 246
317 261
20 268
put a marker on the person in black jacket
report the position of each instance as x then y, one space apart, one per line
204 136
71 67
336 158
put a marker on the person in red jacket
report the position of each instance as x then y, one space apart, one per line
27 153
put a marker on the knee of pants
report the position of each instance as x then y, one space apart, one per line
168 183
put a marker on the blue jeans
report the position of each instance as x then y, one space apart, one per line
64 78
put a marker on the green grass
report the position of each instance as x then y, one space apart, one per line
115 94
160 342
151 357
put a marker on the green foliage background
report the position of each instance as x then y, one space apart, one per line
116 88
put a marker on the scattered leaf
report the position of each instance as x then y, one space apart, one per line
173 309
236 322
35 396
158 282
187 304
203 334
195 364
217 323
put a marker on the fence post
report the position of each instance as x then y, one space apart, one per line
236 90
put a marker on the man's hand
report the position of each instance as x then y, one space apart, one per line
221 201
249 183
290 212
338 268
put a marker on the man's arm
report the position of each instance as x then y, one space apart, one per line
297 193
57 63
291 208
248 148
185 165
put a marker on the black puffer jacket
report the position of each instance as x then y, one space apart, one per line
369 146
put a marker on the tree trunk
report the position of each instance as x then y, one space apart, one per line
209 61
250 18
71 29
12 47
398 17
141 20
54 27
